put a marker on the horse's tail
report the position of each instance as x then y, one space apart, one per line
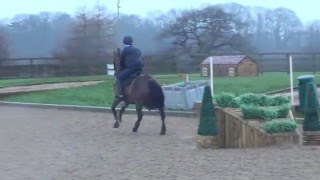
156 95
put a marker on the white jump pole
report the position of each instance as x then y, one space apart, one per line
211 75
291 80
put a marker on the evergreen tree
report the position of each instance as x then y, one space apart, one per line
311 114
207 125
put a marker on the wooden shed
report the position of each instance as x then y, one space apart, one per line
236 65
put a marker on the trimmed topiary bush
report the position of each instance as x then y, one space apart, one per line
207 124
280 125
311 114
227 100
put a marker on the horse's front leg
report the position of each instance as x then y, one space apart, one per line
140 115
115 115
163 116
123 108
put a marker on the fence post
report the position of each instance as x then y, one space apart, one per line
314 67
288 63
291 79
31 67
260 71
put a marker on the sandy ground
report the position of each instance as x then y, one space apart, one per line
65 145
49 86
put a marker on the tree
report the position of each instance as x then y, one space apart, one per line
4 45
286 24
91 35
311 118
36 35
207 125
313 37
144 32
204 31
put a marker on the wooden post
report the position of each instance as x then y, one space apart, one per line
314 67
31 67
288 63
62 67
259 65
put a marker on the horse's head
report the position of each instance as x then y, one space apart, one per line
116 60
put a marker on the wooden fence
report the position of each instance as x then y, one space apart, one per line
279 62
48 67
51 67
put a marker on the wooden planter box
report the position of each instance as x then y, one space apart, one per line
234 132
208 142
241 133
311 137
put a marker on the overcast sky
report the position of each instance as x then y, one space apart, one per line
307 10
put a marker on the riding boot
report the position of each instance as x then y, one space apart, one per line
118 92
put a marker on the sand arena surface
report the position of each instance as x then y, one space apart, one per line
51 144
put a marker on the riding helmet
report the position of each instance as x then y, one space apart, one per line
127 40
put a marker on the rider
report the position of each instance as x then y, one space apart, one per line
131 62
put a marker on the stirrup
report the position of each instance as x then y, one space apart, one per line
119 96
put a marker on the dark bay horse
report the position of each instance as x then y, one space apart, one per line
141 90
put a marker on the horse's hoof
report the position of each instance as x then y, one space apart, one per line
116 125
134 130
162 133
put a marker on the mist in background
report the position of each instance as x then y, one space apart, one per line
96 31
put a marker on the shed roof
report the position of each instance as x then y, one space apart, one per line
234 59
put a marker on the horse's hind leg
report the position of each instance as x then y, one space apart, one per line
140 115
115 115
163 116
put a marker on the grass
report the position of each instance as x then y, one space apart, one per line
257 84
102 94
95 95
30 81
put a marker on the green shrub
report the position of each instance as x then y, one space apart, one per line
250 99
207 124
253 99
283 111
311 114
251 112
266 113
282 125
227 100
277 100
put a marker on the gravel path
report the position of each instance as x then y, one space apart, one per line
65 145
296 94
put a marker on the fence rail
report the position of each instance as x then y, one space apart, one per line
49 67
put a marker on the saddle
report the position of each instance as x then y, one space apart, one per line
132 77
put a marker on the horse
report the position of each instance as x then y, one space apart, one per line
142 91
